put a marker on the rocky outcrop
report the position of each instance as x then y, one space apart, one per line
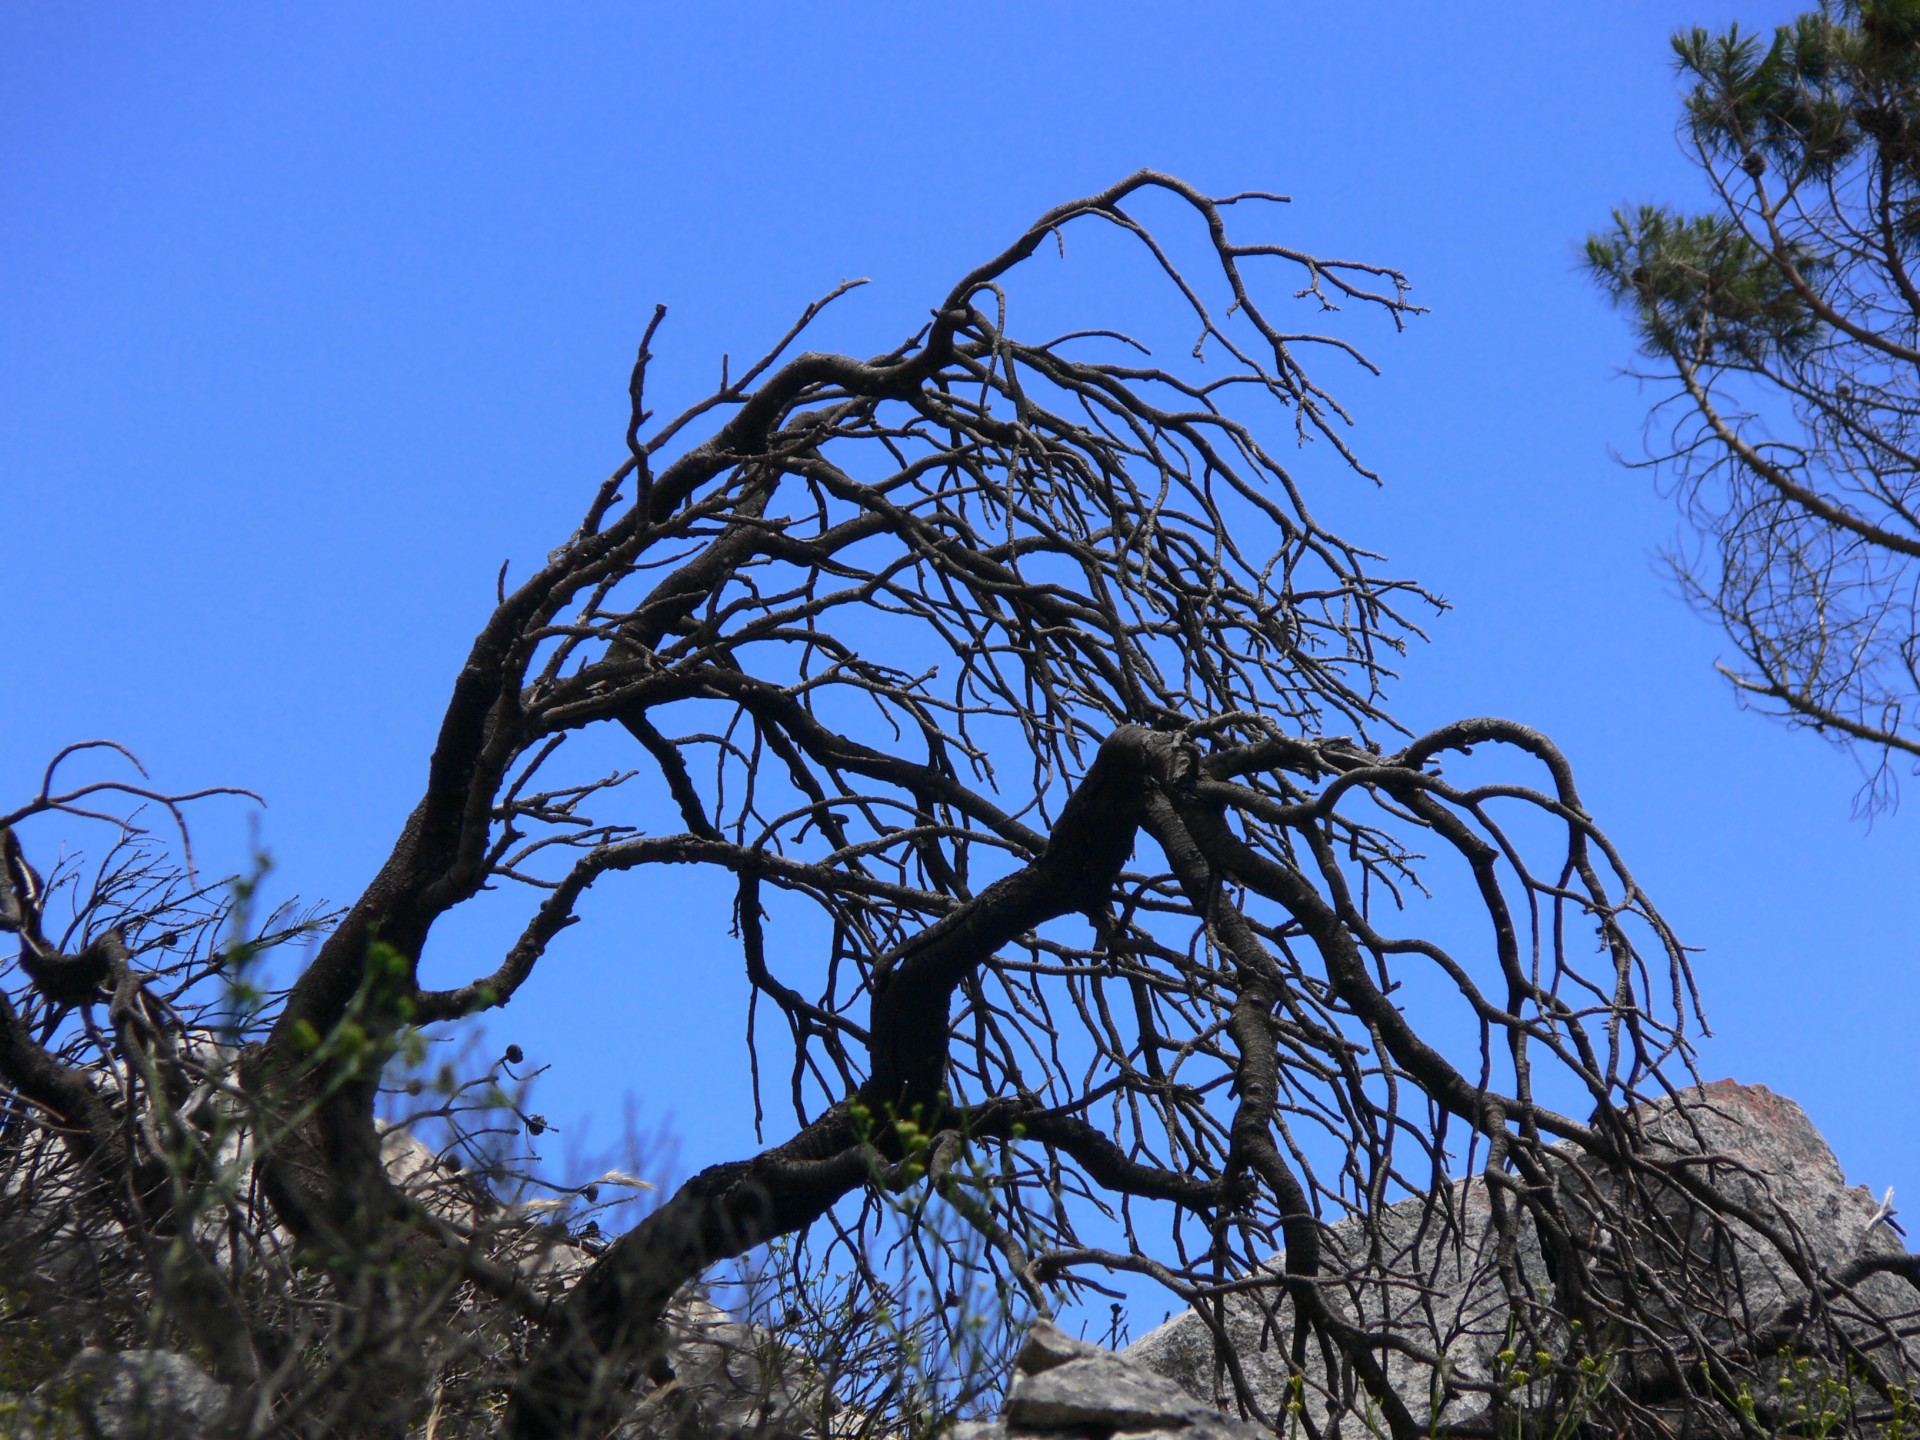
1424 1272
1459 1311
123 1395
1767 1156
529 1237
718 1378
725 1379
1070 1388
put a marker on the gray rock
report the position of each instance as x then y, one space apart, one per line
1459 1311
522 1236
1047 1345
731 1381
138 1395
1101 1390
1064 1384
25 1417
1768 1155
1778 1165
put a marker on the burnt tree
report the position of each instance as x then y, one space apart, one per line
1026 667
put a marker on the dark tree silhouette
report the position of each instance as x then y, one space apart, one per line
1026 671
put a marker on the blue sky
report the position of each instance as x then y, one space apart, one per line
310 316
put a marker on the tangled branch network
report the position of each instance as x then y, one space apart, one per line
1021 676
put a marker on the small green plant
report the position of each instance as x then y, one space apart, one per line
1809 1399
1551 1397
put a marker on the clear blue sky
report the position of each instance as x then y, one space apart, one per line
311 315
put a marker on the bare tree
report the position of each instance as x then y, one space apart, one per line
1022 674
1784 324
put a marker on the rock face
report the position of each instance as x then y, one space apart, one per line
148 1394
1461 1313
123 1395
1779 1165
730 1381
722 1379
1067 1387
719 1379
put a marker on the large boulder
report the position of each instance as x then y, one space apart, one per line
1460 1312
123 1395
718 1378
1767 1156
1070 1388
725 1379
